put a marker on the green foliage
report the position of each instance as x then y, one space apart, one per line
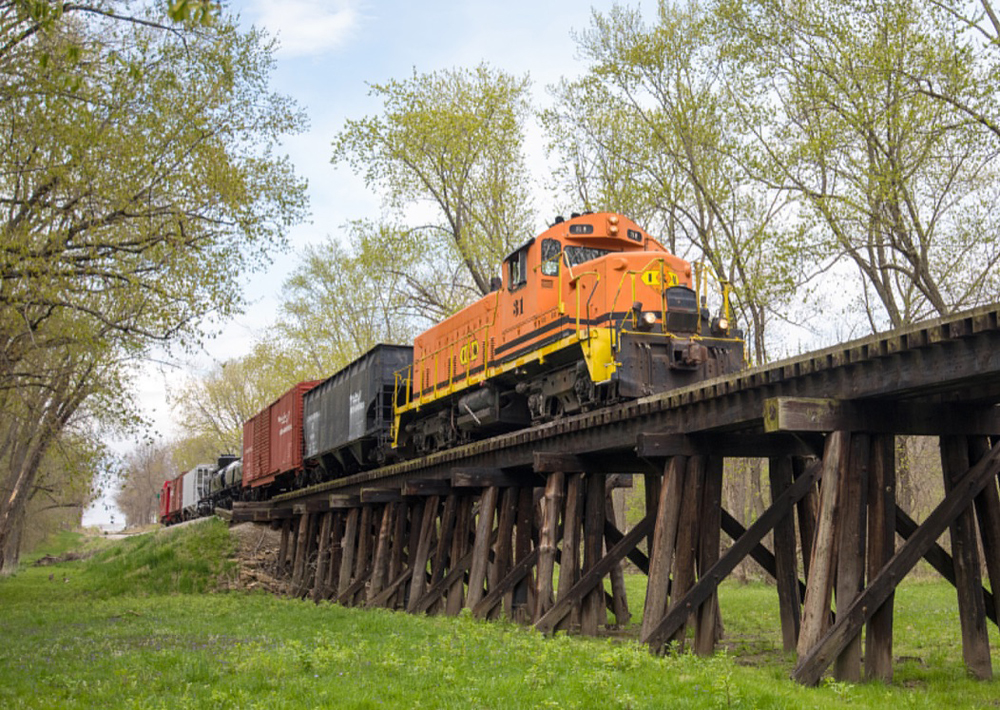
141 183
650 131
378 288
78 640
895 181
187 560
448 145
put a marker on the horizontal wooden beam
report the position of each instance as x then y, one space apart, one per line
811 414
474 477
380 495
311 506
426 487
340 501
279 513
660 445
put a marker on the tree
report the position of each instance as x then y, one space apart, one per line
449 145
138 184
213 406
144 470
343 300
650 131
898 183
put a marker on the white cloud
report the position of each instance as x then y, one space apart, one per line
307 27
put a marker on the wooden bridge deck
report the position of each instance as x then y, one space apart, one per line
483 526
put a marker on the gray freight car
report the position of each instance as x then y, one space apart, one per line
348 418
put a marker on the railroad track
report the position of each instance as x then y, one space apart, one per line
901 381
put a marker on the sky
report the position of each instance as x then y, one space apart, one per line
330 52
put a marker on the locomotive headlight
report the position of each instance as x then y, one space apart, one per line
723 324
647 320
720 326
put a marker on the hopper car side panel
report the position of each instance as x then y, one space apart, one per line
350 414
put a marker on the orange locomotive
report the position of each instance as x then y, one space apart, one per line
591 311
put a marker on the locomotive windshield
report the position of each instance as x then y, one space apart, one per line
577 255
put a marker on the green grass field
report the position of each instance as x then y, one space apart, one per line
134 627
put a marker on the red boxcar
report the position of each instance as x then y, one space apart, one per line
272 439
171 503
164 502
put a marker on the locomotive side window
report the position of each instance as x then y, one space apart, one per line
577 255
550 257
517 269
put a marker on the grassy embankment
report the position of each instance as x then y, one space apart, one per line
133 628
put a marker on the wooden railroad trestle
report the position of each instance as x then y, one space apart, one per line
524 525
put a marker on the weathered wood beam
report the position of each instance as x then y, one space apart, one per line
548 540
475 477
322 557
661 556
382 599
619 595
380 564
613 536
455 576
283 512
760 554
686 550
426 487
481 548
344 501
460 544
592 577
810 414
349 551
785 563
517 573
882 513
853 505
380 495
707 619
849 621
597 462
988 516
938 558
569 558
418 579
654 445
593 537
968 575
709 581
819 584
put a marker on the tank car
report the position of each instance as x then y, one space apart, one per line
225 484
